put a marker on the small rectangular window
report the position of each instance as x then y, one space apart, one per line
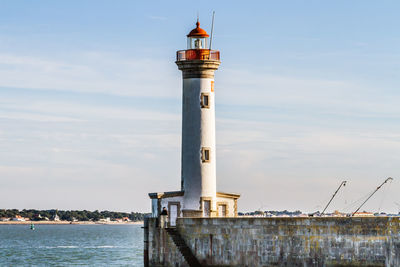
205 101
206 208
222 210
205 154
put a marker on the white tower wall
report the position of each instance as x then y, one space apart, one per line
198 131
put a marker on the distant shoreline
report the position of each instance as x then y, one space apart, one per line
67 222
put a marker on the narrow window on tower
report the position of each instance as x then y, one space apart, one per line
205 101
205 154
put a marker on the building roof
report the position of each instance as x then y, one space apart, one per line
228 195
197 32
166 194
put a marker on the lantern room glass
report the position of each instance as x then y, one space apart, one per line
197 42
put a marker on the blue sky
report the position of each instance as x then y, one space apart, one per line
90 102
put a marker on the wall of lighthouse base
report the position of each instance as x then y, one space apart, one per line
222 205
279 242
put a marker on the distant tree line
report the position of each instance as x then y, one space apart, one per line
69 215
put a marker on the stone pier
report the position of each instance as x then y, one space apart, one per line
251 242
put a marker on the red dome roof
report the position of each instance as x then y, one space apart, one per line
198 32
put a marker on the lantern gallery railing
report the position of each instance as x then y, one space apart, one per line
200 54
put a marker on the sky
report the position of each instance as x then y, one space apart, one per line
307 95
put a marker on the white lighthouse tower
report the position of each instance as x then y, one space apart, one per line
198 196
198 65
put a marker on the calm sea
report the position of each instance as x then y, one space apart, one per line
64 245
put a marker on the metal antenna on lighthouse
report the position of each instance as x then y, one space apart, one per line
212 29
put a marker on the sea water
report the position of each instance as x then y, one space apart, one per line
71 245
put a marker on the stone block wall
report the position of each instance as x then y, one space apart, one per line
161 249
372 241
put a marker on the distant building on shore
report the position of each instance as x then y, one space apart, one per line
56 218
363 214
106 220
18 218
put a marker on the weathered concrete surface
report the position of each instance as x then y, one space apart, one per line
252 242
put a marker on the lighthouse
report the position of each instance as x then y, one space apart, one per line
198 196
198 175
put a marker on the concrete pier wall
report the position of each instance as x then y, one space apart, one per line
372 241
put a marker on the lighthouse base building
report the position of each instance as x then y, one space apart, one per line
225 205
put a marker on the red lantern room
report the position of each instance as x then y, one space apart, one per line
197 38
197 46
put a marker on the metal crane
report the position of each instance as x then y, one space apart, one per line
387 180
337 190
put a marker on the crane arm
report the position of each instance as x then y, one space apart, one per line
387 180
337 190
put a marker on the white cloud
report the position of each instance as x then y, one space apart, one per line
37 117
340 97
157 17
61 110
95 73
